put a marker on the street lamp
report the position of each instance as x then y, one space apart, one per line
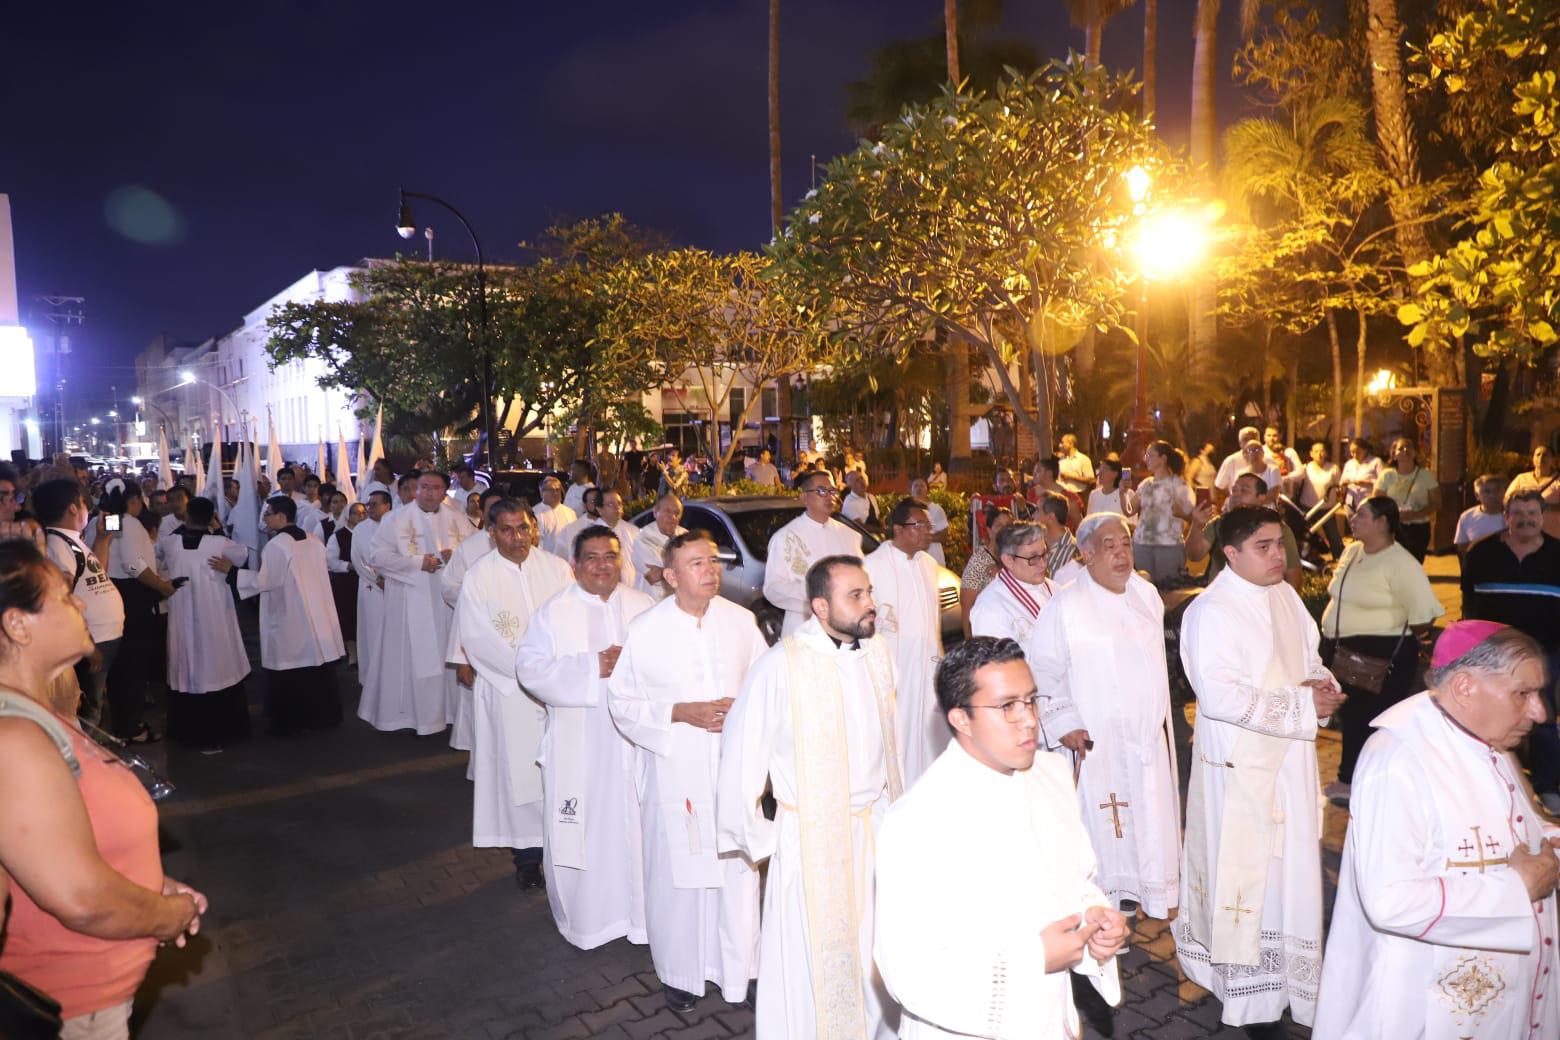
406 227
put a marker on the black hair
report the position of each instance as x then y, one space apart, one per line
678 541
182 490
800 483
490 492
955 681
1175 461
1257 478
1386 507
313 477
507 505
1052 465
443 477
1056 505
201 510
1238 525
118 501
820 576
588 466
381 496
409 477
592 499
899 516
284 505
287 470
591 533
23 574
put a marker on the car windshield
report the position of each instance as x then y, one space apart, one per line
757 526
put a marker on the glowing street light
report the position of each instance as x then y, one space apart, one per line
1383 381
136 400
186 377
1138 181
95 420
1170 243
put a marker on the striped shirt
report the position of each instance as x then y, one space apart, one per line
1524 594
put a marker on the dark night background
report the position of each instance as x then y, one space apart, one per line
275 135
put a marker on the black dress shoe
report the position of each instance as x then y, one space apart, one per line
1267 1031
529 876
1129 907
679 999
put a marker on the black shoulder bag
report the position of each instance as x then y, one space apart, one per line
1353 668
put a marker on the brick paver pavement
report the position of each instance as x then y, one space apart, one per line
347 902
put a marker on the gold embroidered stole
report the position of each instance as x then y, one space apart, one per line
824 815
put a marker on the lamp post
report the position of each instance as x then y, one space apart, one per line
406 227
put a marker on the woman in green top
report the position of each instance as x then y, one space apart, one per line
1381 604
1414 490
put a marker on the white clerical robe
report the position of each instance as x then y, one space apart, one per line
593 849
370 608
1250 924
627 535
298 624
498 600
551 523
1433 935
1007 608
905 590
1098 666
648 549
415 689
792 550
759 744
701 907
574 497
975 965
205 648
451 575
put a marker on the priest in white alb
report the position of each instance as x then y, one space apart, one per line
986 900
801 543
416 690
651 544
593 857
1445 925
475 546
670 694
498 600
1010 605
300 638
904 586
816 720
1099 664
371 595
553 518
1250 924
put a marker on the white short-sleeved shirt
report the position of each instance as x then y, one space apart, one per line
1475 523
132 551
100 601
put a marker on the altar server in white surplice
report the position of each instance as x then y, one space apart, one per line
670 694
1097 658
904 586
553 518
1445 920
1010 605
1250 924
989 819
803 542
816 720
416 690
651 544
451 575
591 820
371 594
498 600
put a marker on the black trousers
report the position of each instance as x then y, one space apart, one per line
127 676
1362 706
1415 538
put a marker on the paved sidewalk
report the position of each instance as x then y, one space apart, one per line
347 902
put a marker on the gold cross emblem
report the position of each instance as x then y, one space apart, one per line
1115 808
1237 909
1478 845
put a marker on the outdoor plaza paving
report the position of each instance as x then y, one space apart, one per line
347 901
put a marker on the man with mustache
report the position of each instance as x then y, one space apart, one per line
1514 578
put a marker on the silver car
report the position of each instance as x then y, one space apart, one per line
742 525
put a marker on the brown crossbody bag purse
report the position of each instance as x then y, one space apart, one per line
1353 668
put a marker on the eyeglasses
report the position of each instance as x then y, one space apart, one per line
1013 711
822 492
1030 559
917 523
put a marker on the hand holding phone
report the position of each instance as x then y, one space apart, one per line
113 522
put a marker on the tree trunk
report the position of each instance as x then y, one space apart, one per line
1086 354
951 35
956 363
1359 385
1150 57
774 118
1292 401
1203 327
1267 362
1093 34
1041 421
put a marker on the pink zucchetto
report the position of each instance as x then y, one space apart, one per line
1459 638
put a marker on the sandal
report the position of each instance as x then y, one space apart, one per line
144 735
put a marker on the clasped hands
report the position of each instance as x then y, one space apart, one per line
1099 930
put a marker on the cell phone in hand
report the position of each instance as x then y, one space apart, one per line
112 522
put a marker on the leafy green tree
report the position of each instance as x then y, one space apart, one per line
983 216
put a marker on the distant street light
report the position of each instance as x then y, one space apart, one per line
95 420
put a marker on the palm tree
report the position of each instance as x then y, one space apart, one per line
1091 16
951 37
775 204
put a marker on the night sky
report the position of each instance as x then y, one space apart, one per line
178 166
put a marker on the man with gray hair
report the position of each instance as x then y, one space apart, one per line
1105 694
1008 607
553 518
1445 919
650 546
1234 463
1485 517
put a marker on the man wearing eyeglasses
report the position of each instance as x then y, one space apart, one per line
997 819
1097 658
1008 607
801 543
904 585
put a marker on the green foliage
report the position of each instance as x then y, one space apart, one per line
1499 282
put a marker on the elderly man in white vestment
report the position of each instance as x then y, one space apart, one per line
816 720
371 593
451 575
904 587
1445 921
498 600
416 690
650 545
591 821
803 542
985 893
300 637
1010 605
1250 924
681 666
1098 658
553 518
